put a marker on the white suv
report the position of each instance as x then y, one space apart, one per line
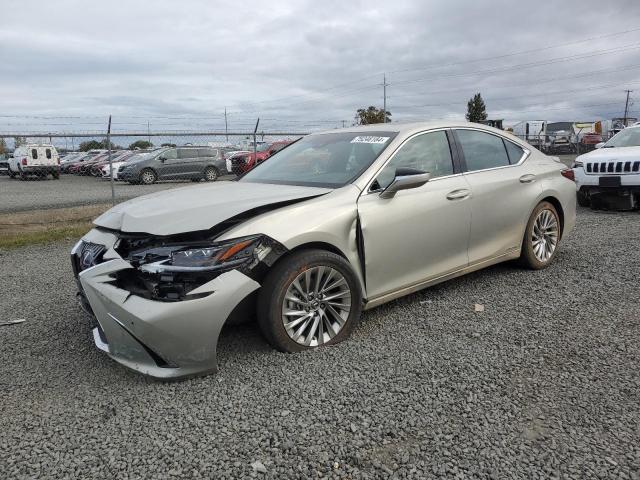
609 177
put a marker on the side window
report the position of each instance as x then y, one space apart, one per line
207 152
514 151
482 150
48 152
34 153
428 152
171 154
187 153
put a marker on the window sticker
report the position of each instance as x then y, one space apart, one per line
370 139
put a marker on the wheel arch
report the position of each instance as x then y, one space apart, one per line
558 206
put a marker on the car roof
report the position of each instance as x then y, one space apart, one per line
409 128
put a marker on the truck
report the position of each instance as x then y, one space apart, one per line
35 159
534 132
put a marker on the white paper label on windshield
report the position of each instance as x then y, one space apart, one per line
370 139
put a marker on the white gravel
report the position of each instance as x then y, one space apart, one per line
544 383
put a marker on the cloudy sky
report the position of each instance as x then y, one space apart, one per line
302 65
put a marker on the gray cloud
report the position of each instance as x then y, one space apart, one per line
309 64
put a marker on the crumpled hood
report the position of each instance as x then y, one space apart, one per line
198 207
607 154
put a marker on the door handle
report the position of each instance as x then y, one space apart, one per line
458 194
528 178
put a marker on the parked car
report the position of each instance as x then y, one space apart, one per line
260 156
74 166
4 165
116 157
376 212
194 163
235 160
35 159
105 172
609 177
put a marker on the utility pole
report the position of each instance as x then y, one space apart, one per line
384 94
226 131
626 107
343 123
148 131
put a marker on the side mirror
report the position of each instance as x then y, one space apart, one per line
405 179
599 145
162 159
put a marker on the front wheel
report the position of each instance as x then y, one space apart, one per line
148 176
541 237
311 298
583 198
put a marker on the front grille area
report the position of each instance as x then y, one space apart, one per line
614 166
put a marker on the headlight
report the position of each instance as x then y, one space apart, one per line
201 258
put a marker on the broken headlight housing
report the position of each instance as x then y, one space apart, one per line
199 258
170 268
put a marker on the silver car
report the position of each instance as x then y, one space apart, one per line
336 223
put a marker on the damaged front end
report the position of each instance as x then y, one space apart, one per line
161 301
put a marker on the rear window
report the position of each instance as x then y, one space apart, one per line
34 153
48 152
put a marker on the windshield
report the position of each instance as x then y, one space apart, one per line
629 137
324 160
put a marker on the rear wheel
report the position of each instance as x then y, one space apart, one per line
311 298
148 176
541 237
211 174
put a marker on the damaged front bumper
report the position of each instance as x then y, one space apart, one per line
157 338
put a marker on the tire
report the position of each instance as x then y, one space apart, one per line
211 174
148 176
195 180
22 175
583 199
11 174
545 216
56 175
280 281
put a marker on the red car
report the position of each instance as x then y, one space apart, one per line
253 159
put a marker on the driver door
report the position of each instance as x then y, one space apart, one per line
421 233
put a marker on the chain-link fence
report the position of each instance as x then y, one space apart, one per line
63 181
558 143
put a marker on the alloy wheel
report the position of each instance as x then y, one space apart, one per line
148 177
316 306
544 237
210 175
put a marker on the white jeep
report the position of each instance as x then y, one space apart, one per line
609 177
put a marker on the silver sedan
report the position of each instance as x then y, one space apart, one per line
335 223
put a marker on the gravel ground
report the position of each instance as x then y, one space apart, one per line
544 383
70 191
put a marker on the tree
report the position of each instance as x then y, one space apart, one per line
371 115
168 145
90 145
3 146
476 109
19 141
140 145
97 145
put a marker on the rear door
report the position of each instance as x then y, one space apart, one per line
208 156
503 187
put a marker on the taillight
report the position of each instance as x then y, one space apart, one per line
568 173
24 161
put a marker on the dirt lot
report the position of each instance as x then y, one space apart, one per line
545 383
